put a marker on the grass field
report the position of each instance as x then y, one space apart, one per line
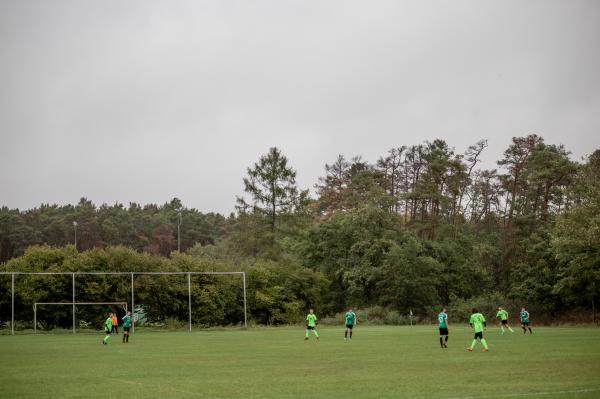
380 362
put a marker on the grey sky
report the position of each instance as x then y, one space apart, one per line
147 100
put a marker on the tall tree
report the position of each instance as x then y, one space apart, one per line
271 184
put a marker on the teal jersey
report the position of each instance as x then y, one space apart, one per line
350 318
477 321
126 321
524 316
443 318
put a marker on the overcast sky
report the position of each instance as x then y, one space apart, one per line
149 100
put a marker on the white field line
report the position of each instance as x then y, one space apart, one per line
517 395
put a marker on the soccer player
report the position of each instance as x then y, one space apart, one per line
477 321
126 325
311 324
350 318
107 329
503 316
115 327
525 321
443 319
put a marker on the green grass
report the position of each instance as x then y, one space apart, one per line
380 362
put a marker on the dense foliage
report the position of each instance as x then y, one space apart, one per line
421 227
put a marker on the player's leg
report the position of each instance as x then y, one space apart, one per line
346 333
441 337
316 333
509 329
477 335
502 323
351 328
106 337
306 335
446 339
524 329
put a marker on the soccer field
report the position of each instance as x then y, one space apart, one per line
380 362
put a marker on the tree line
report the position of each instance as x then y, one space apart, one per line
420 227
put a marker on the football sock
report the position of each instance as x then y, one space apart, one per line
306 334
524 330
316 333
106 339
473 343
124 336
446 339
441 342
346 334
510 329
531 332
502 328
350 334
484 343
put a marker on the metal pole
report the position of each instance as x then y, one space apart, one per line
73 275
12 313
179 232
245 311
132 307
75 228
35 318
190 299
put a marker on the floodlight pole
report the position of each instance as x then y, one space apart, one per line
245 312
190 299
73 275
75 229
35 318
12 313
132 307
179 231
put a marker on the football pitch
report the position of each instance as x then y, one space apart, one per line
379 362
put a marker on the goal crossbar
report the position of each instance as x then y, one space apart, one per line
35 305
132 275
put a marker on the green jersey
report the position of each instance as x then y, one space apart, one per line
477 321
126 321
108 324
350 317
502 314
311 320
524 316
442 318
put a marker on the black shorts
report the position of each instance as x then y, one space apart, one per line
309 328
478 335
107 331
443 330
525 323
126 329
349 326
504 322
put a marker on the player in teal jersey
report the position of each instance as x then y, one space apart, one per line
126 326
477 321
350 318
108 324
443 326
311 324
524 315
503 316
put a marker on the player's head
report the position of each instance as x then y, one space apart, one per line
443 310
499 307
128 313
310 310
523 308
350 309
474 310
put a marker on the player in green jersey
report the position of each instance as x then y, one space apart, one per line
443 326
524 315
503 316
350 318
311 324
108 324
126 326
477 321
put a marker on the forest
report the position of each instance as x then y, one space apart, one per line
421 227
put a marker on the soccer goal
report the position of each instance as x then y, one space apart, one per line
73 284
74 305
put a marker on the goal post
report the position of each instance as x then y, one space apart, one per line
36 304
131 276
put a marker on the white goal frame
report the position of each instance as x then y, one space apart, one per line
35 305
132 276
